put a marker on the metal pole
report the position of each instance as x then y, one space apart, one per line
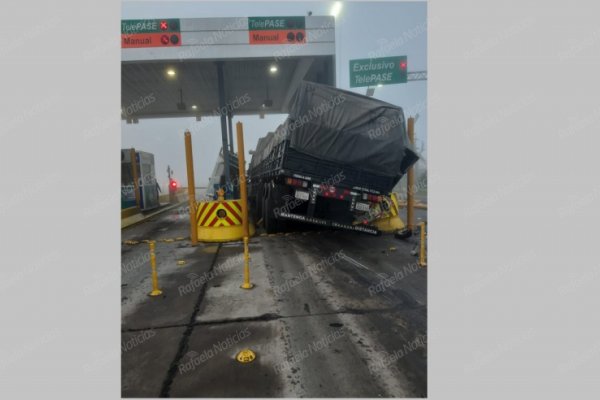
191 188
172 193
134 172
244 196
222 113
422 261
155 290
230 130
410 178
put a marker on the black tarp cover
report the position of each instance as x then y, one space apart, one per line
346 128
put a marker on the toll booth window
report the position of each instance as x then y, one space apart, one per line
146 169
126 176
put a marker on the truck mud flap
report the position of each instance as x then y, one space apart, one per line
371 230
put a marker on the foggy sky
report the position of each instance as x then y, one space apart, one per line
385 28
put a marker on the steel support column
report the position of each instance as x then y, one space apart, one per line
223 114
230 128
410 181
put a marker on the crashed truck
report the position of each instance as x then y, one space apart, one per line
333 162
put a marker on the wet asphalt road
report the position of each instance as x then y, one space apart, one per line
378 322
334 314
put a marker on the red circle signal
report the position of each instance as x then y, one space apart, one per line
403 65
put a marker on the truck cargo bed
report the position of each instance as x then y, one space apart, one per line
285 160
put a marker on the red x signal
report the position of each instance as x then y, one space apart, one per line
164 26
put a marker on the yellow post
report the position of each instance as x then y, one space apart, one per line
244 195
191 188
155 290
134 173
422 256
410 178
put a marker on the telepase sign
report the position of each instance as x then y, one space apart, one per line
378 71
276 30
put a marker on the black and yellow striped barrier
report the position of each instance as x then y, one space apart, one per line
220 221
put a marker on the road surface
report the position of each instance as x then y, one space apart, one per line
332 314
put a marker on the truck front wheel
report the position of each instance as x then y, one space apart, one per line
272 201
257 201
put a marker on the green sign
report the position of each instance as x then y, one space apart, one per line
275 23
133 26
378 71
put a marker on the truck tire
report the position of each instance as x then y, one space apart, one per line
403 234
272 200
269 221
258 201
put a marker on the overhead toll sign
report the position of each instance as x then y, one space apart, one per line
378 71
277 30
150 33
206 40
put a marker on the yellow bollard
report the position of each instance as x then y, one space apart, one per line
191 188
410 179
155 290
245 356
422 256
244 195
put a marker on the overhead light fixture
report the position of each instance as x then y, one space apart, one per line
336 8
194 107
171 72
273 69
379 85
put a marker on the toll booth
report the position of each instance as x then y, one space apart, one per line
142 171
221 67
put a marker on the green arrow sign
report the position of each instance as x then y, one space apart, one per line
378 71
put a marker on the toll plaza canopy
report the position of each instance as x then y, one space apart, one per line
221 66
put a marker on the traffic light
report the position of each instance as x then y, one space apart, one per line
173 185
403 70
